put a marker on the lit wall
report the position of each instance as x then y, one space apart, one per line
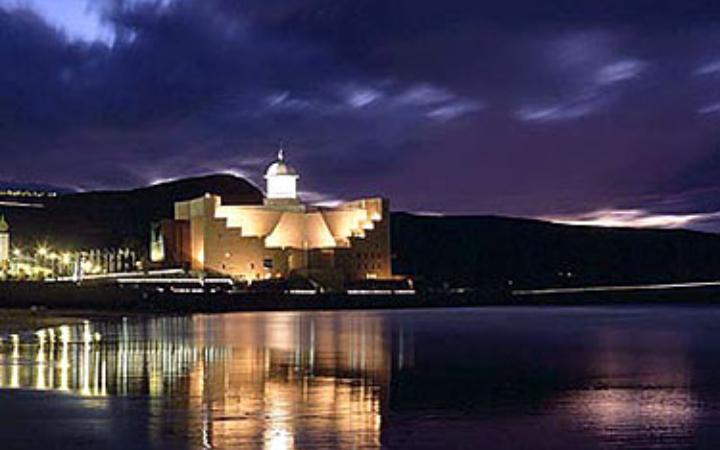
282 186
256 242
4 247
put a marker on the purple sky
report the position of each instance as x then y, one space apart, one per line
597 111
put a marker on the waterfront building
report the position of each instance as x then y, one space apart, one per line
104 261
279 238
4 242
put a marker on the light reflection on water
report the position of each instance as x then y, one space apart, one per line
577 378
242 378
642 389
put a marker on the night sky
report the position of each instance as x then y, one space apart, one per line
603 111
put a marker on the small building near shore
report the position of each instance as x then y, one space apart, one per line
280 238
4 242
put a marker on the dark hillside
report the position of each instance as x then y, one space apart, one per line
109 219
460 251
469 251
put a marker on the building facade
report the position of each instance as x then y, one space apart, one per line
4 242
280 238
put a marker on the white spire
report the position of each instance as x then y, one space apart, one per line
281 152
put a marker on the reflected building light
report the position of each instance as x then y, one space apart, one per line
40 367
206 440
40 383
50 377
14 362
65 334
85 370
668 413
40 358
96 373
64 365
269 371
279 439
87 333
14 376
40 335
311 357
51 339
652 398
103 379
15 342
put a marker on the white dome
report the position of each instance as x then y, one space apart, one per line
281 180
280 167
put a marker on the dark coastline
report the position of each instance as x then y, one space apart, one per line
110 298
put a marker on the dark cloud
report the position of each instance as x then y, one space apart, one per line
515 107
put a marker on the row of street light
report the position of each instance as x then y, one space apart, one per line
43 262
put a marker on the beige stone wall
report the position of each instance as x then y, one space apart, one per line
253 221
173 244
369 255
227 252
199 212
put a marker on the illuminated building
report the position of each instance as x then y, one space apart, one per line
279 238
4 242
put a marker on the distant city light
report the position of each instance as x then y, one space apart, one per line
23 193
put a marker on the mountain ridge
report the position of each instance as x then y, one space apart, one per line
98 219
462 250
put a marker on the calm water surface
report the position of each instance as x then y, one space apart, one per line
514 378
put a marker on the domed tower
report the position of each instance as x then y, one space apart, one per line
281 179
